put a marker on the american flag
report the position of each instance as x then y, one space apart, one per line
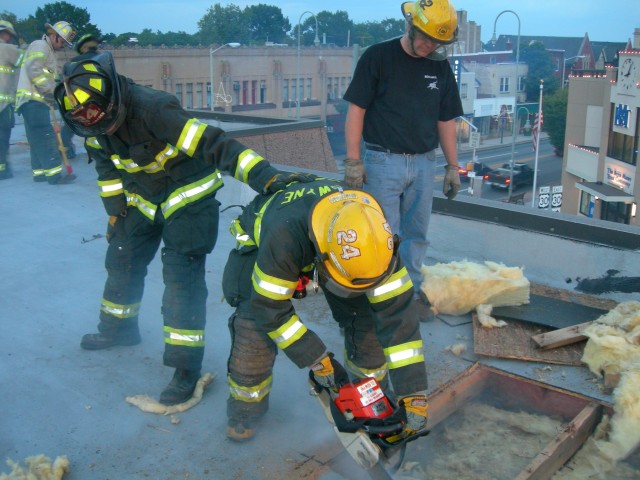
537 125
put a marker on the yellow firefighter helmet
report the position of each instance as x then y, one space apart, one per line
356 250
437 19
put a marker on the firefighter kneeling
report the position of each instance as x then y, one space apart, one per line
340 239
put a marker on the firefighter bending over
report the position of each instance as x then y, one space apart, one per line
340 239
158 173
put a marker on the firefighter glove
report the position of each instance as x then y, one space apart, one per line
354 174
416 408
328 373
281 180
451 184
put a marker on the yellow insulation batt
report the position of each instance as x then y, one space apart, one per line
39 467
613 346
151 405
457 288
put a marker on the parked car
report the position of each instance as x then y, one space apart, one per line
500 177
479 168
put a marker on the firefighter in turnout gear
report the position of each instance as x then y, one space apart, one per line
340 239
34 98
158 172
10 57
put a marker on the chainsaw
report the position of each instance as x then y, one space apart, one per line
368 425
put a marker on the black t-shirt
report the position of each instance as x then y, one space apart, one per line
404 97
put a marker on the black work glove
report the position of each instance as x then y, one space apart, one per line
451 184
328 373
280 180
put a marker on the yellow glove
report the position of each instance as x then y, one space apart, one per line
451 184
416 406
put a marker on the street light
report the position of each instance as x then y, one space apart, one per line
316 42
515 131
527 124
211 52
564 63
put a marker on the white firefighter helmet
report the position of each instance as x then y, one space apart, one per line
64 29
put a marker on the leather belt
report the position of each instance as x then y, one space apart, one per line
378 148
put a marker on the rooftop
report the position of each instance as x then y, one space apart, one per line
61 400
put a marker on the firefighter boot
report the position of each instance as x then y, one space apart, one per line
102 340
180 387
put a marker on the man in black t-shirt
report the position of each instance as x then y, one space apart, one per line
403 101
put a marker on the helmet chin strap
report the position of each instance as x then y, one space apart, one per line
412 36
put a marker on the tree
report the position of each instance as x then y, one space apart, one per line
266 23
336 26
554 111
541 67
368 33
222 25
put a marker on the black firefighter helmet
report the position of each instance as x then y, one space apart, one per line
89 96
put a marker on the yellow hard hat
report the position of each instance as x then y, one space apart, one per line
64 29
356 250
437 19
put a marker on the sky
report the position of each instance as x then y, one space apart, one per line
610 20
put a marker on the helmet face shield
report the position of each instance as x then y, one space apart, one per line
355 248
89 96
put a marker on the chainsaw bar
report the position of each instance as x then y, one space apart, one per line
378 460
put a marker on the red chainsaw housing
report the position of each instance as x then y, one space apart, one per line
363 400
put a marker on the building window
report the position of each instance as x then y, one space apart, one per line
586 204
521 83
463 90
189 98
254 91
504 84
285 91
263 91
623 147
199 102
209 95
308 89
616 212
245 92
179 92
236 92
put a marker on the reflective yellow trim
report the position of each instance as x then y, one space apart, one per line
190 136
395 285
110 188
404 354
119 310
246 161
145 207
252 394
288 333
183 196
185 338
272 287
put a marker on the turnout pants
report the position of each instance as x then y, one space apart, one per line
46 163
188 236
7 122
253 353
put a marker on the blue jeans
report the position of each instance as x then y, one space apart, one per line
403 184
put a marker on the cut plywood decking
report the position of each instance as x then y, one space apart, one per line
515 340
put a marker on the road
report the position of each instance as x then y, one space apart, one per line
549 167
